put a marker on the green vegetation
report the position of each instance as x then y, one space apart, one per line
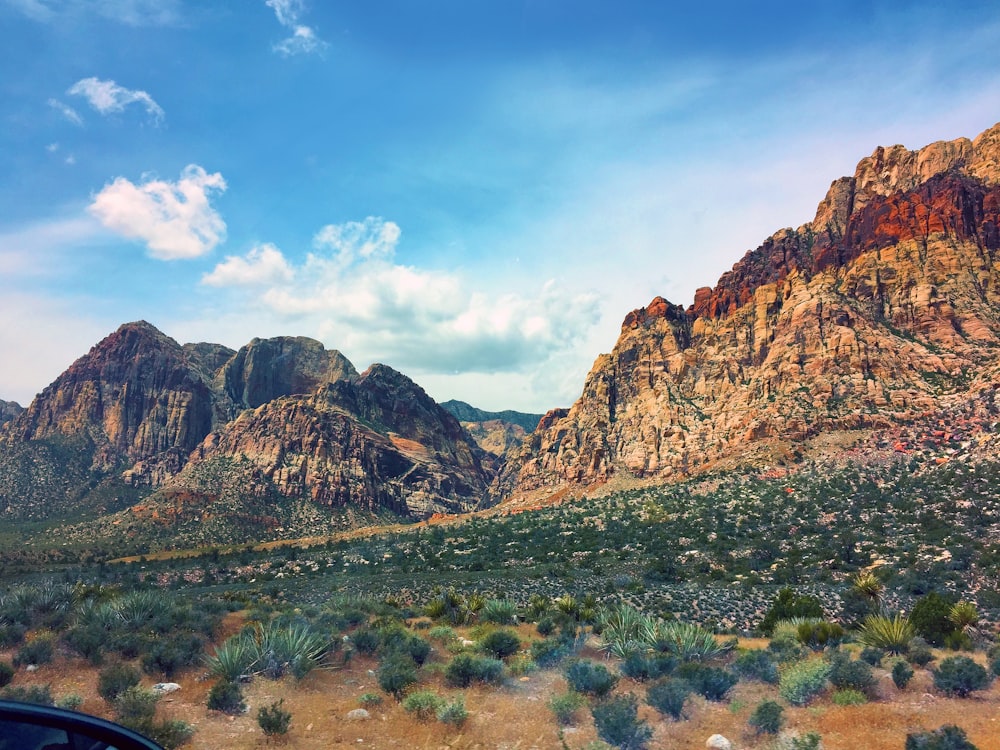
947 737
767 717
566 706
803 681
617 723
273 719
960 676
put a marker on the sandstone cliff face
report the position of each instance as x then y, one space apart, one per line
141 411
867 316
9 410
376 441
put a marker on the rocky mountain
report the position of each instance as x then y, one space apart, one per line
9 410
467 413
881 312
278 421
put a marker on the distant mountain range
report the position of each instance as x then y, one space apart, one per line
875 325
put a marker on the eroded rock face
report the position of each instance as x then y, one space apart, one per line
864 317
9 410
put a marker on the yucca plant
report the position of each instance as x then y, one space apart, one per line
233 659
892 634
690 642
621 631
499 611
963 615
293 647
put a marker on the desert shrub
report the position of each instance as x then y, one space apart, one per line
417 648
959 676
135 707
565 707
801 682
169 655
72 701
767 717
756 664
465 669
170 733
227 697
919 652
995 665
274 720
891 634
38 694
668 697
947 737
786 606
444 633
872 656
710 682
545 626
784 644
88 642
848 697
958 640
931 618
453 713
38 650
6 673
501 643
395 674
499 611
642 666
818 634
902 673
590 678
423 704
807 741
846 673
548 652
11 634
617 722
365 640
115 679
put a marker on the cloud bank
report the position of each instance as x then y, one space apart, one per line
174 219
356 296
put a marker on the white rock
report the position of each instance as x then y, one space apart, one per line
162 688
358 714
31 668
718 742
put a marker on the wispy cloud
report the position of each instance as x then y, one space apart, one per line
127 12
263 265
303 39
66 111
352 292
108 97
174 219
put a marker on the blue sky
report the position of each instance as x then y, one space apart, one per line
474 192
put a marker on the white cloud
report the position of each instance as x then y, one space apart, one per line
303 40
66 111
353 294
263 265
108 97
174 219
128 12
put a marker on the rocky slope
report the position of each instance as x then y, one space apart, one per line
879 312
9 410
467 413
279 420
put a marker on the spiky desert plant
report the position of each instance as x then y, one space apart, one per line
868 585
892 634
291 647
499 611
233 659
622 628
689 642
138 607
963 615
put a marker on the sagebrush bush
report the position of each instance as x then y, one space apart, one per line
395 674
617 722
365 640
135 707
453 713
756 664
549 651
423 704
6 673
846 673
501 643
465 669
848 697
668 696
947 737
919 652
802 681
38 650
274 720
712 683
767 717
38 694
227 697
590 678
566 705
902 673
960 676
872 656
115 679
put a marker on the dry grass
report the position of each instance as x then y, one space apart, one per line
517 716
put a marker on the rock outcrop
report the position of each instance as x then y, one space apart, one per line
9 410
868 316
